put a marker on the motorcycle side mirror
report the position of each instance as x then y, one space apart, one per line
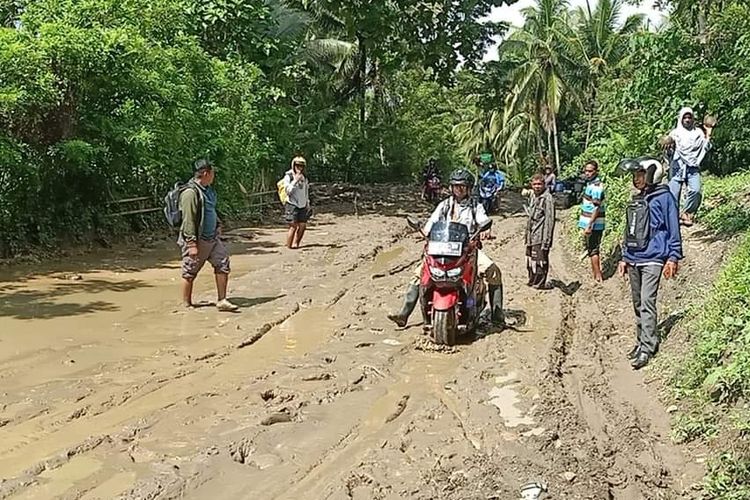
413 223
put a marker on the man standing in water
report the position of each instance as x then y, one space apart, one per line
592 215
199 236
690 145
297 208
539 232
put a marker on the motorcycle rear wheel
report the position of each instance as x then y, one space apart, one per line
444 327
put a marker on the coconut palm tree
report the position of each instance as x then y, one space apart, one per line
601 43
478 134
541 82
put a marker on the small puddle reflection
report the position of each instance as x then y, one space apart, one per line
505 399
295 336
304 329
112 487
383 259
331 254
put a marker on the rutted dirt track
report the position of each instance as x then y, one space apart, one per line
108 390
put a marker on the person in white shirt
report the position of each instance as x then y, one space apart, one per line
462 209
297 207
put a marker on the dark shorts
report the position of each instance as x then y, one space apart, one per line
214 251
594 241
293 214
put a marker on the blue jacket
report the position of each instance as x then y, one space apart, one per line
493 178
665 241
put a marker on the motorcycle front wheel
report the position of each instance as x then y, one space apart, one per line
444 327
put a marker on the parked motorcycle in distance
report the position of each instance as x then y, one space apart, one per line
431 190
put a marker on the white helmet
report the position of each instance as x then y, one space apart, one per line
654 169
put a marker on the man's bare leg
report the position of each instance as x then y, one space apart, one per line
187 292
222 281
596 268
291 235
300 233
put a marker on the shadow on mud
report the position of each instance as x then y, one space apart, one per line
246 303
515 320
44 304
609 264
321 245
570 289
667 324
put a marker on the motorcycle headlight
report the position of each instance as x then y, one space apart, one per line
437 273
454 273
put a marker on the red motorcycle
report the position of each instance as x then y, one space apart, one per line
452 294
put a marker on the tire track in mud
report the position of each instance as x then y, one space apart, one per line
580 372
85 421
371 419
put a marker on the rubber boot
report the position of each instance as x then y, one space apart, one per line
496 305
410 302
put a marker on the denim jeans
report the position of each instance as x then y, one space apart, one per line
692 177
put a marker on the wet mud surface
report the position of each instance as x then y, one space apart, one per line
110 390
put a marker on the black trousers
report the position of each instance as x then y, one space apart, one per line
537 264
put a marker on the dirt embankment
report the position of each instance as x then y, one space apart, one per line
111 391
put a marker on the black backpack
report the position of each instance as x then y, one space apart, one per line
638 221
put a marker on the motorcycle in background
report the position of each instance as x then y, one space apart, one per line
431 190
488 195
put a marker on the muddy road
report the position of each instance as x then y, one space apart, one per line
109 390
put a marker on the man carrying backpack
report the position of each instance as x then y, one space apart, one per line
297 205
199 235
652 247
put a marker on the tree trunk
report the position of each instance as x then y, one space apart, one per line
592 111
362 82
540 148
703 7
549 143
557 141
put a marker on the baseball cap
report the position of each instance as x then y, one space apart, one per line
202 164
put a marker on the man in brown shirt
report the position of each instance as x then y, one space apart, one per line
540 230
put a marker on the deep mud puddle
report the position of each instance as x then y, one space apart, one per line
111 391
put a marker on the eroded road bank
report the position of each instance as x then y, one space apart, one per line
109 390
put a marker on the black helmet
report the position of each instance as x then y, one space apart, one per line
654 169
462 177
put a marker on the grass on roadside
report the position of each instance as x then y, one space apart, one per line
714 378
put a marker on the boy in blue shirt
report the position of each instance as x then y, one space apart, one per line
592 218
657 253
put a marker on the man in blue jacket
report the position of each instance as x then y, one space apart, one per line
652 247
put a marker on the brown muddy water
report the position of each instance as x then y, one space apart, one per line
110 390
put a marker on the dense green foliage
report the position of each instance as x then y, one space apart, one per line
714 378
108 99
588 84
